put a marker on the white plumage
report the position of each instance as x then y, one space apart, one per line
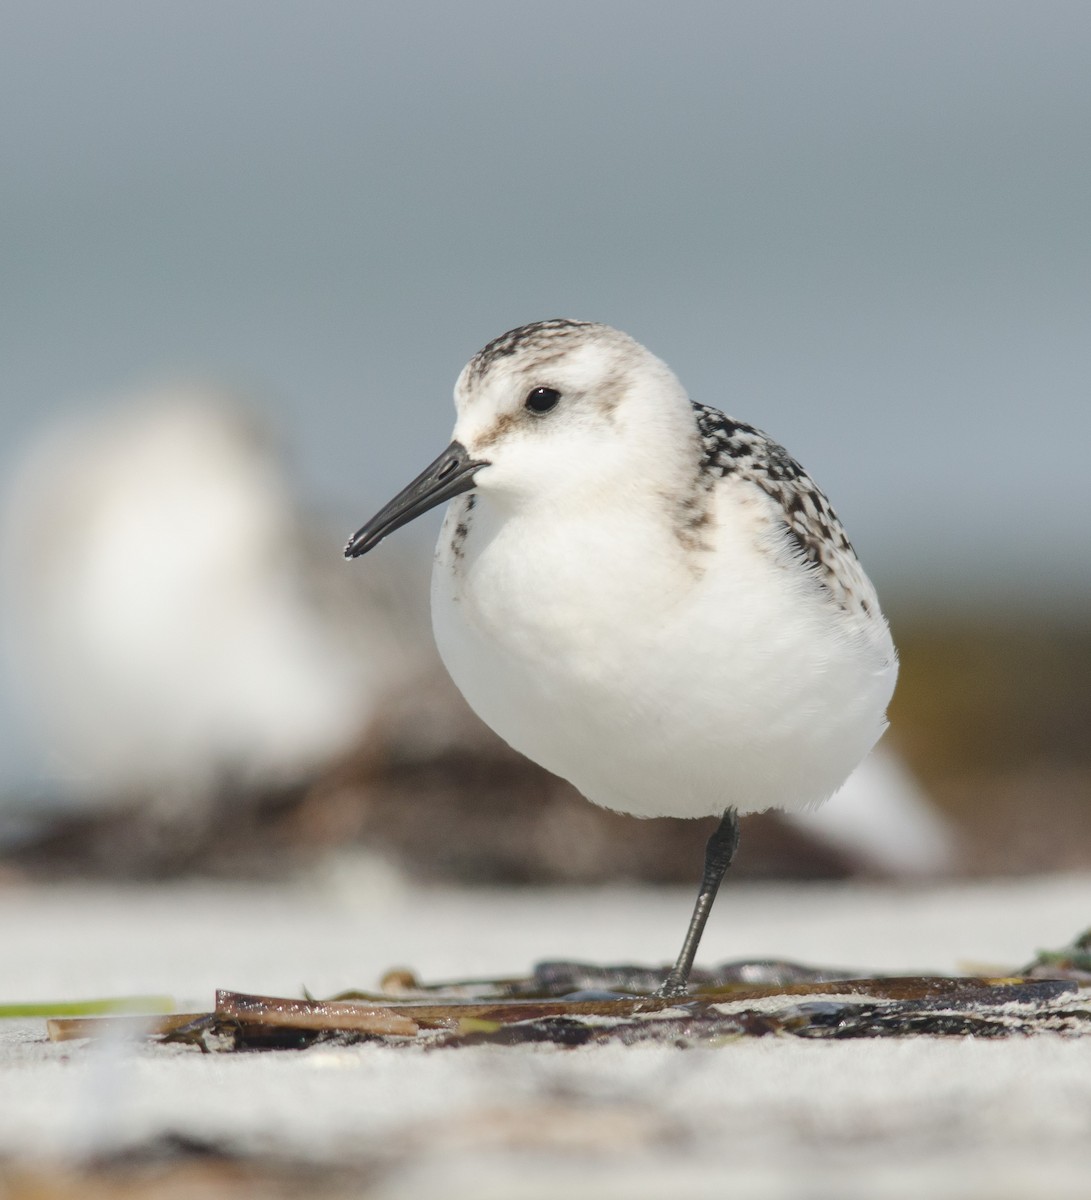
662 670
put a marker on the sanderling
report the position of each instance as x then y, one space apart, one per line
648 598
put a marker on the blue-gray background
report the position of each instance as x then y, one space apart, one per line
865 227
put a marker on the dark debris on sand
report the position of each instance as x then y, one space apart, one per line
565 1004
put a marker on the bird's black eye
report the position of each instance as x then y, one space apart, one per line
541 400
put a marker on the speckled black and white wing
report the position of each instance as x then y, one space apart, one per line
731 449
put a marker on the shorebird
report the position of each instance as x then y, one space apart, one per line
645 596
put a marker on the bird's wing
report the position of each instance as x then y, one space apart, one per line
731 448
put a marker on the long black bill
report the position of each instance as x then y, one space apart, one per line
450 475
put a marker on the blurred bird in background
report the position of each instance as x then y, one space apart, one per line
184 641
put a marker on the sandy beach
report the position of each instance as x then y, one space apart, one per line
772 1117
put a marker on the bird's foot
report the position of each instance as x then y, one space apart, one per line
674 987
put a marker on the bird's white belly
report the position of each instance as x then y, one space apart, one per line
655 690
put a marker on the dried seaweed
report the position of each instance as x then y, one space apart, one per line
576 1004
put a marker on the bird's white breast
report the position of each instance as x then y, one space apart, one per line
658 679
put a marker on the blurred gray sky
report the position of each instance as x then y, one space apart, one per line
865 227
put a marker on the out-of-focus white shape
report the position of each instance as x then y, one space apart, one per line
884 820
176 624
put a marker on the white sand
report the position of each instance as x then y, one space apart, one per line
774 1117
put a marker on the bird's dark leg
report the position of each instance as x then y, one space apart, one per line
718 855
